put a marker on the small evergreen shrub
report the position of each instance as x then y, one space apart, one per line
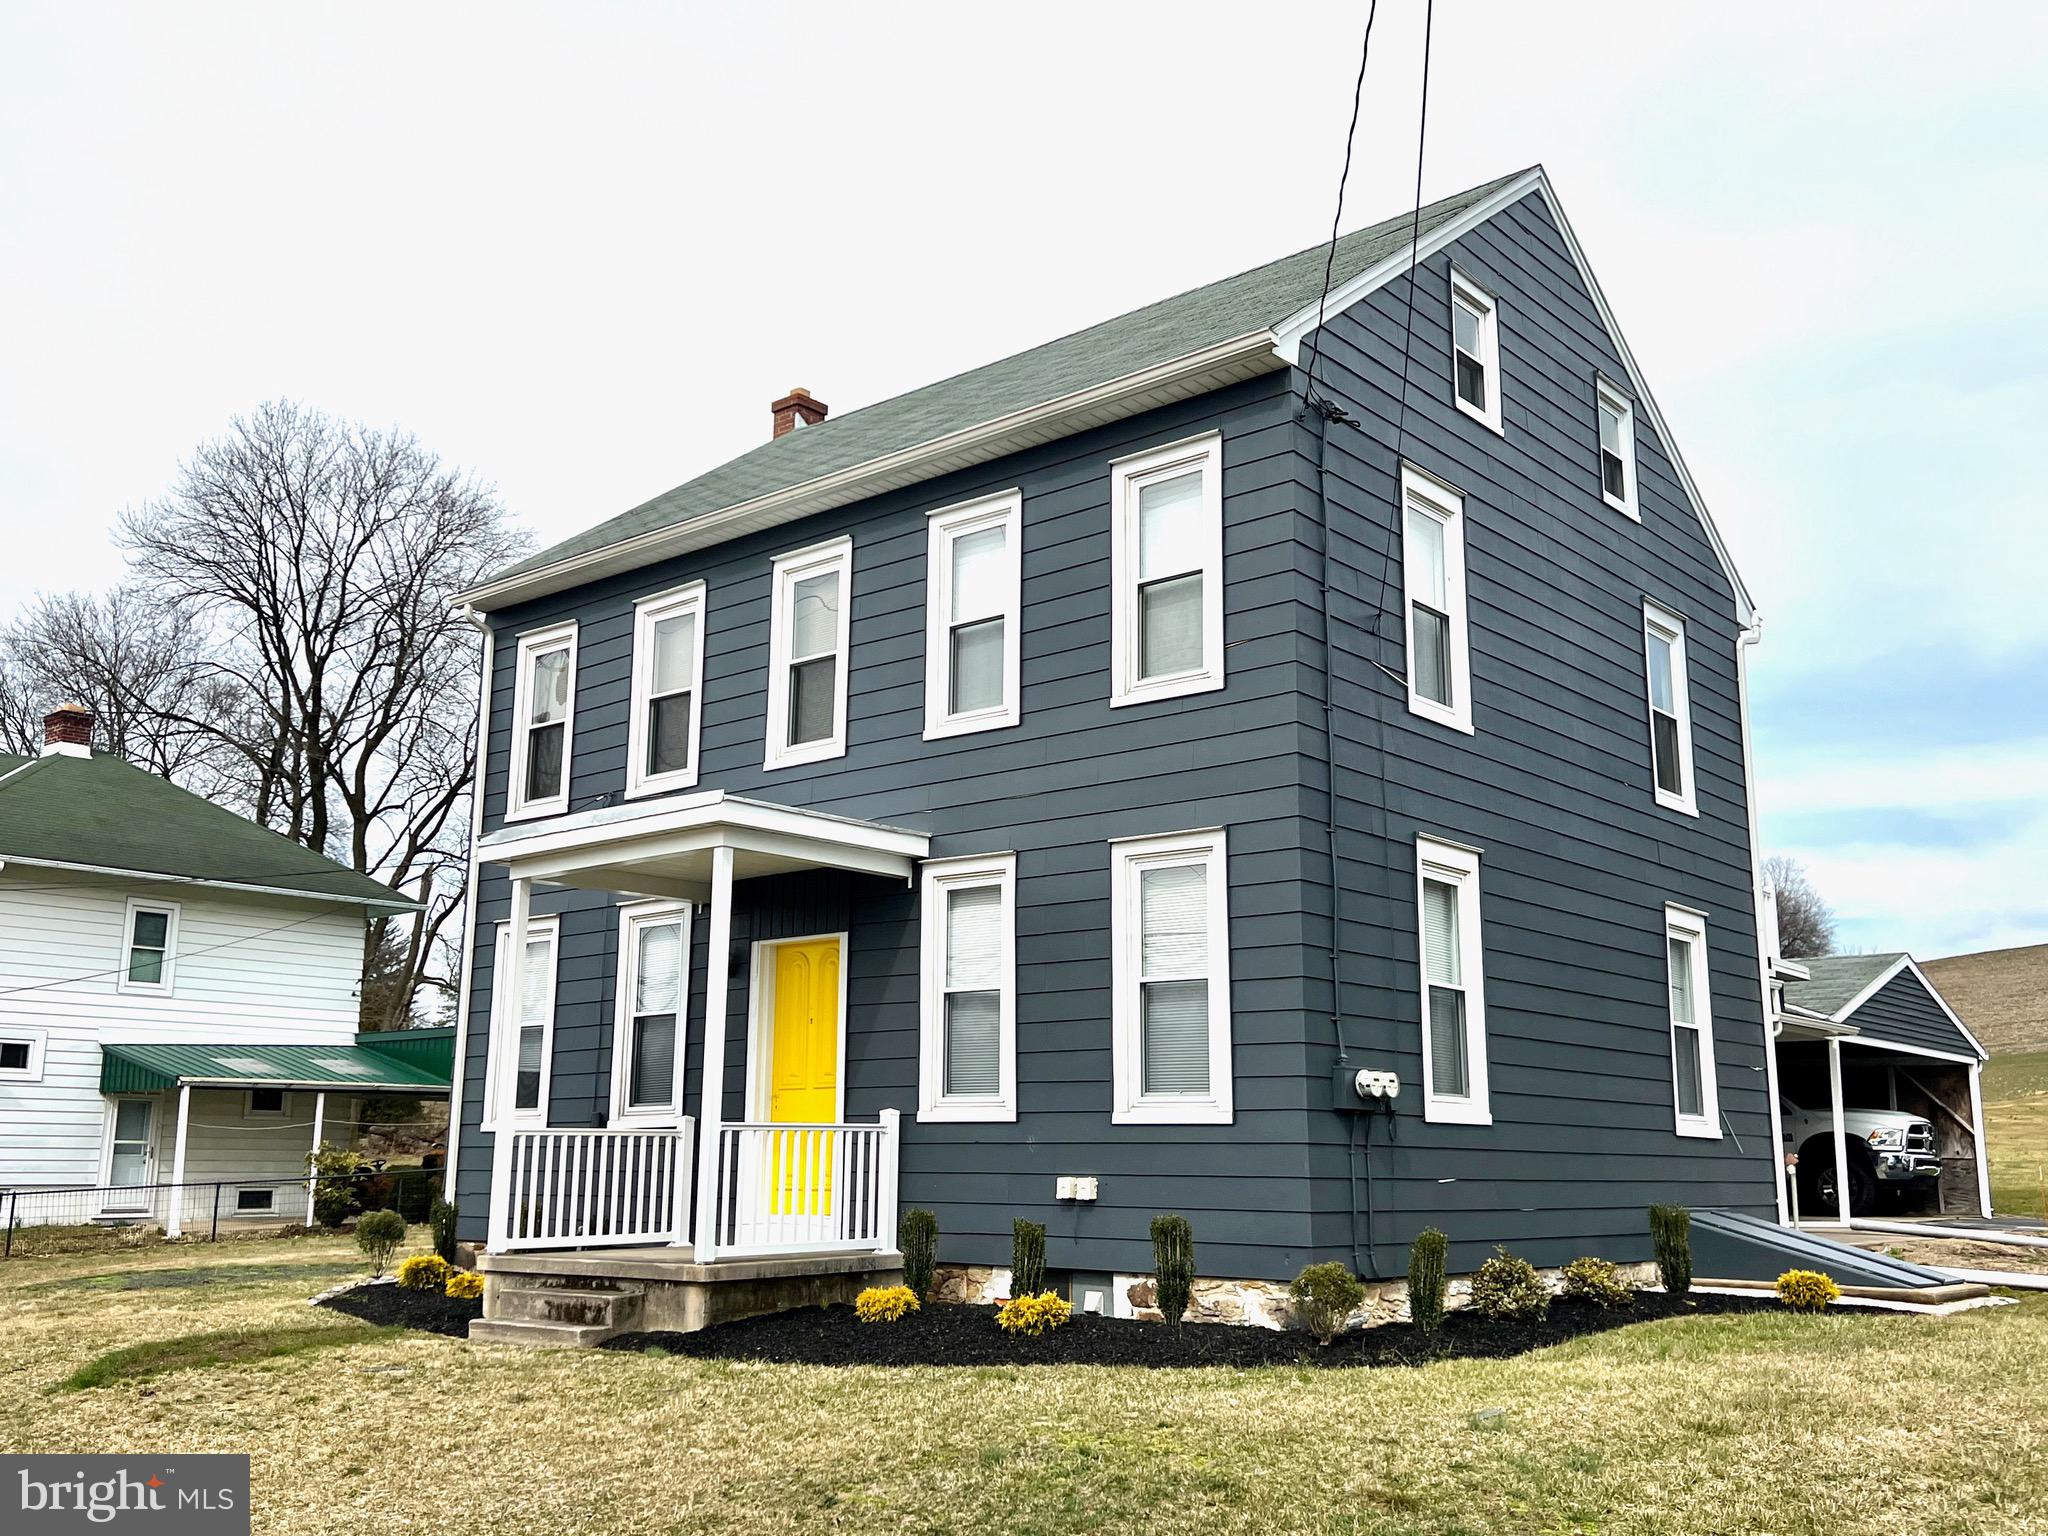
1034 1314
464 1285
1324 1297
1671 1236
1597 1281
378 1234
885 1303
337 1187
1027 1258
1508 1289
441 1222
1173 1265
424 1272
1807 1290
1427 1281
917 1235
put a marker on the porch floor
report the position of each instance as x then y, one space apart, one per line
678 1265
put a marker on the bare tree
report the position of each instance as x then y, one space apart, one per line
317 561
1806 924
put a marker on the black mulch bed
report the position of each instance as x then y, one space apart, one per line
426 1310
945 1334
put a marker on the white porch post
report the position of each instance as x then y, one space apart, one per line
319 1135
1841 1137
711 1112
176 1224
885 1198
511 1006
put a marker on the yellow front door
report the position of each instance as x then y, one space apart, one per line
803 1072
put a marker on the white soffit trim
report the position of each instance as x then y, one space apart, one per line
1294 330
710 811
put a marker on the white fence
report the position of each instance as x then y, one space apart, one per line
806 1188
587 1189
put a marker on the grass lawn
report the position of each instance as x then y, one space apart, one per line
2016 1129
1770 1424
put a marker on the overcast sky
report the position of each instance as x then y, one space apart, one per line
579 248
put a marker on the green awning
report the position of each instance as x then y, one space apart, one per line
419 1067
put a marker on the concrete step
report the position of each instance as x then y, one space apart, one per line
520 1300
494 1330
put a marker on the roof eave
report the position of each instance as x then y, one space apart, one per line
394 902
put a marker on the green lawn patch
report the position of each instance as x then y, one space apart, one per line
2016 1130
211 1274
203 1351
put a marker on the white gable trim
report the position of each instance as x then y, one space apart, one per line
1870 990
1294 330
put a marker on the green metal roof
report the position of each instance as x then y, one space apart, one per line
361 1068
103 812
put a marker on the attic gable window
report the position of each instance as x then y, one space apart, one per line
807 661
1433 580
1166 558
1617 450
1475 350
668 691
973 597
1670 710
543 721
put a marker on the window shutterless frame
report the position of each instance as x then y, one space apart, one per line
651 1021
1166 571
1170 974
808 654
1475 351
973 591
1433 584
968 994
1695 1088
264 1104
1452 967
668 691
1670 710
21 1055
506 1063
543 722
1617 448
149 948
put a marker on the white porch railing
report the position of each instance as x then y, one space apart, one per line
585 1189
787 1188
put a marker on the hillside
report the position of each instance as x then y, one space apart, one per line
2002 994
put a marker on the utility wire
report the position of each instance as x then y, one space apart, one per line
183 954
1336 219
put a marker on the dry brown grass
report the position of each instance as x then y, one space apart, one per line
1777 1424
2002 994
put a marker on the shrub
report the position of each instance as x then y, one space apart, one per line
1033 1315
464 1285
1426 1279
1671 1235
1807 1290
885 1303
1027 1258
1173 1265
441 1222
1597 1281
1508 1289
378 1234
337 1178
424 1272
918 1237
1324 1297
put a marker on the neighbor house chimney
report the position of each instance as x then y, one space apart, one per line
68 729
797 409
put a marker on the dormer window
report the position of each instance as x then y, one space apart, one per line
1617 449
1475 350
543 717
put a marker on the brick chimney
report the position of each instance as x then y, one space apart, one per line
68 729
797 409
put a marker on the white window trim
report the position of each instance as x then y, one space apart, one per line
1455 865
501 1063
632 919
1430 495
251 1112
647 613
1126 476
168 985
533 643
797 565
37 1042
1672 628
1606 394
1462 287
1685 924
1005 511
269 1206
1128 858
942 877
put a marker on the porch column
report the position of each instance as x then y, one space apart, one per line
175 1226
319 1134
1841 1138
711 1111
511 1006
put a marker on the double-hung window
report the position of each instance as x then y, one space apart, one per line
1453 995
1433 578
149 947
1475 350
1670 709
1170 953
647 1036
1166 571
543 719
668 691
522 1029
807 654
1695 1092
971 617
1617 449
968 1068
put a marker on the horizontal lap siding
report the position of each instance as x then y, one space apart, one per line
1555 787
1054 790
1903 1012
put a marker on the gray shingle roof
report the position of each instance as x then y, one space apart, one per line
1836 980
1158 333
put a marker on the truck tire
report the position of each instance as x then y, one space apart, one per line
1820 1156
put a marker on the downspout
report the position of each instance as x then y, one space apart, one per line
1747 639
476 832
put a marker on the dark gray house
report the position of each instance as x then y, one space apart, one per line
1058 784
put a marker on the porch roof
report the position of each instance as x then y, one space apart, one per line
129 1068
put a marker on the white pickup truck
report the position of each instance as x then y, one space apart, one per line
1888 1149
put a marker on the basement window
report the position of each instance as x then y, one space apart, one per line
1453 984
543 719
807 661
1475 351
255 1201
1694 1091
1617 450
